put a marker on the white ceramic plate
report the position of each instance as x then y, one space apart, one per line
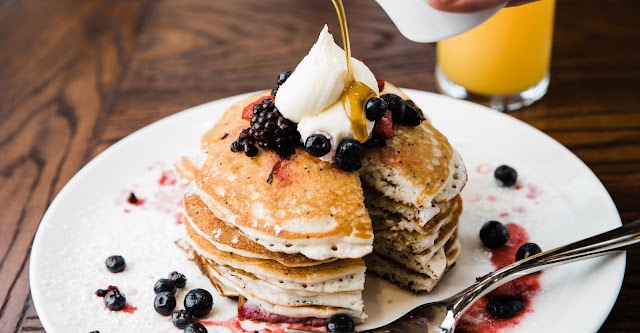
90 220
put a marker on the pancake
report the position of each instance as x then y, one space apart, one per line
403 216
388 229
418 166
254 288
228 238
343 268
407 278
307 315
310 207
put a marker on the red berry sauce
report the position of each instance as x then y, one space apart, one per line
234 326
477 318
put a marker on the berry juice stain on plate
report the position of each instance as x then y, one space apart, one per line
505 306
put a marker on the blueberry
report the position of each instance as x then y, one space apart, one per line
340 323
375 108
114 300
506 175
195 328
164 303
181 318
494 234
503 308
198 302
397 106
413 114
178 278
115 264
349 155
165 285
283 76
527 250
375 141
317 145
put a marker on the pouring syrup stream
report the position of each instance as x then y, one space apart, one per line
355 94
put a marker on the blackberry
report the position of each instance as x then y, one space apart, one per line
181 318
494 234
132 199
165 285
283 76
274 91
317 145
375 108
115 264
178 278
101 293
349 155
270 130
340 323
237 145
527 250
250 150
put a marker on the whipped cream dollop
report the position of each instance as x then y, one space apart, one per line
311 95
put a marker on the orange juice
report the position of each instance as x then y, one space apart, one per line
506 55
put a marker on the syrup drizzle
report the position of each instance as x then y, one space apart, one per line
355 94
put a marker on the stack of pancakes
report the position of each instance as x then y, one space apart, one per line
412 193
288 236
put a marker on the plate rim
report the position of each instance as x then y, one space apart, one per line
36 243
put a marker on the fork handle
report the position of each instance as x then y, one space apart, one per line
617 239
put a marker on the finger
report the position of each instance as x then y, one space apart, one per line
464 6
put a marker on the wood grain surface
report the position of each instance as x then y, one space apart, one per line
76 76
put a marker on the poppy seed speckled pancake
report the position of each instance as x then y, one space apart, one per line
408 278
309 206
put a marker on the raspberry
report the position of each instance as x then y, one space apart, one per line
384 126
380 84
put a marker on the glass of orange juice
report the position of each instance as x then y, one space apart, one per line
502 63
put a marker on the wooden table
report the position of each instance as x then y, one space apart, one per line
77 76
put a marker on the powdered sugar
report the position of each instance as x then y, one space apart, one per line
149 239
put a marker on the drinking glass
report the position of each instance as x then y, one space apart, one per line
504 62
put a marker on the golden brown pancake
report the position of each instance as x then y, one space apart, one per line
310 207
271 268
226 237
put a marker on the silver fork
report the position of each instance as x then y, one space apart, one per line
441 317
